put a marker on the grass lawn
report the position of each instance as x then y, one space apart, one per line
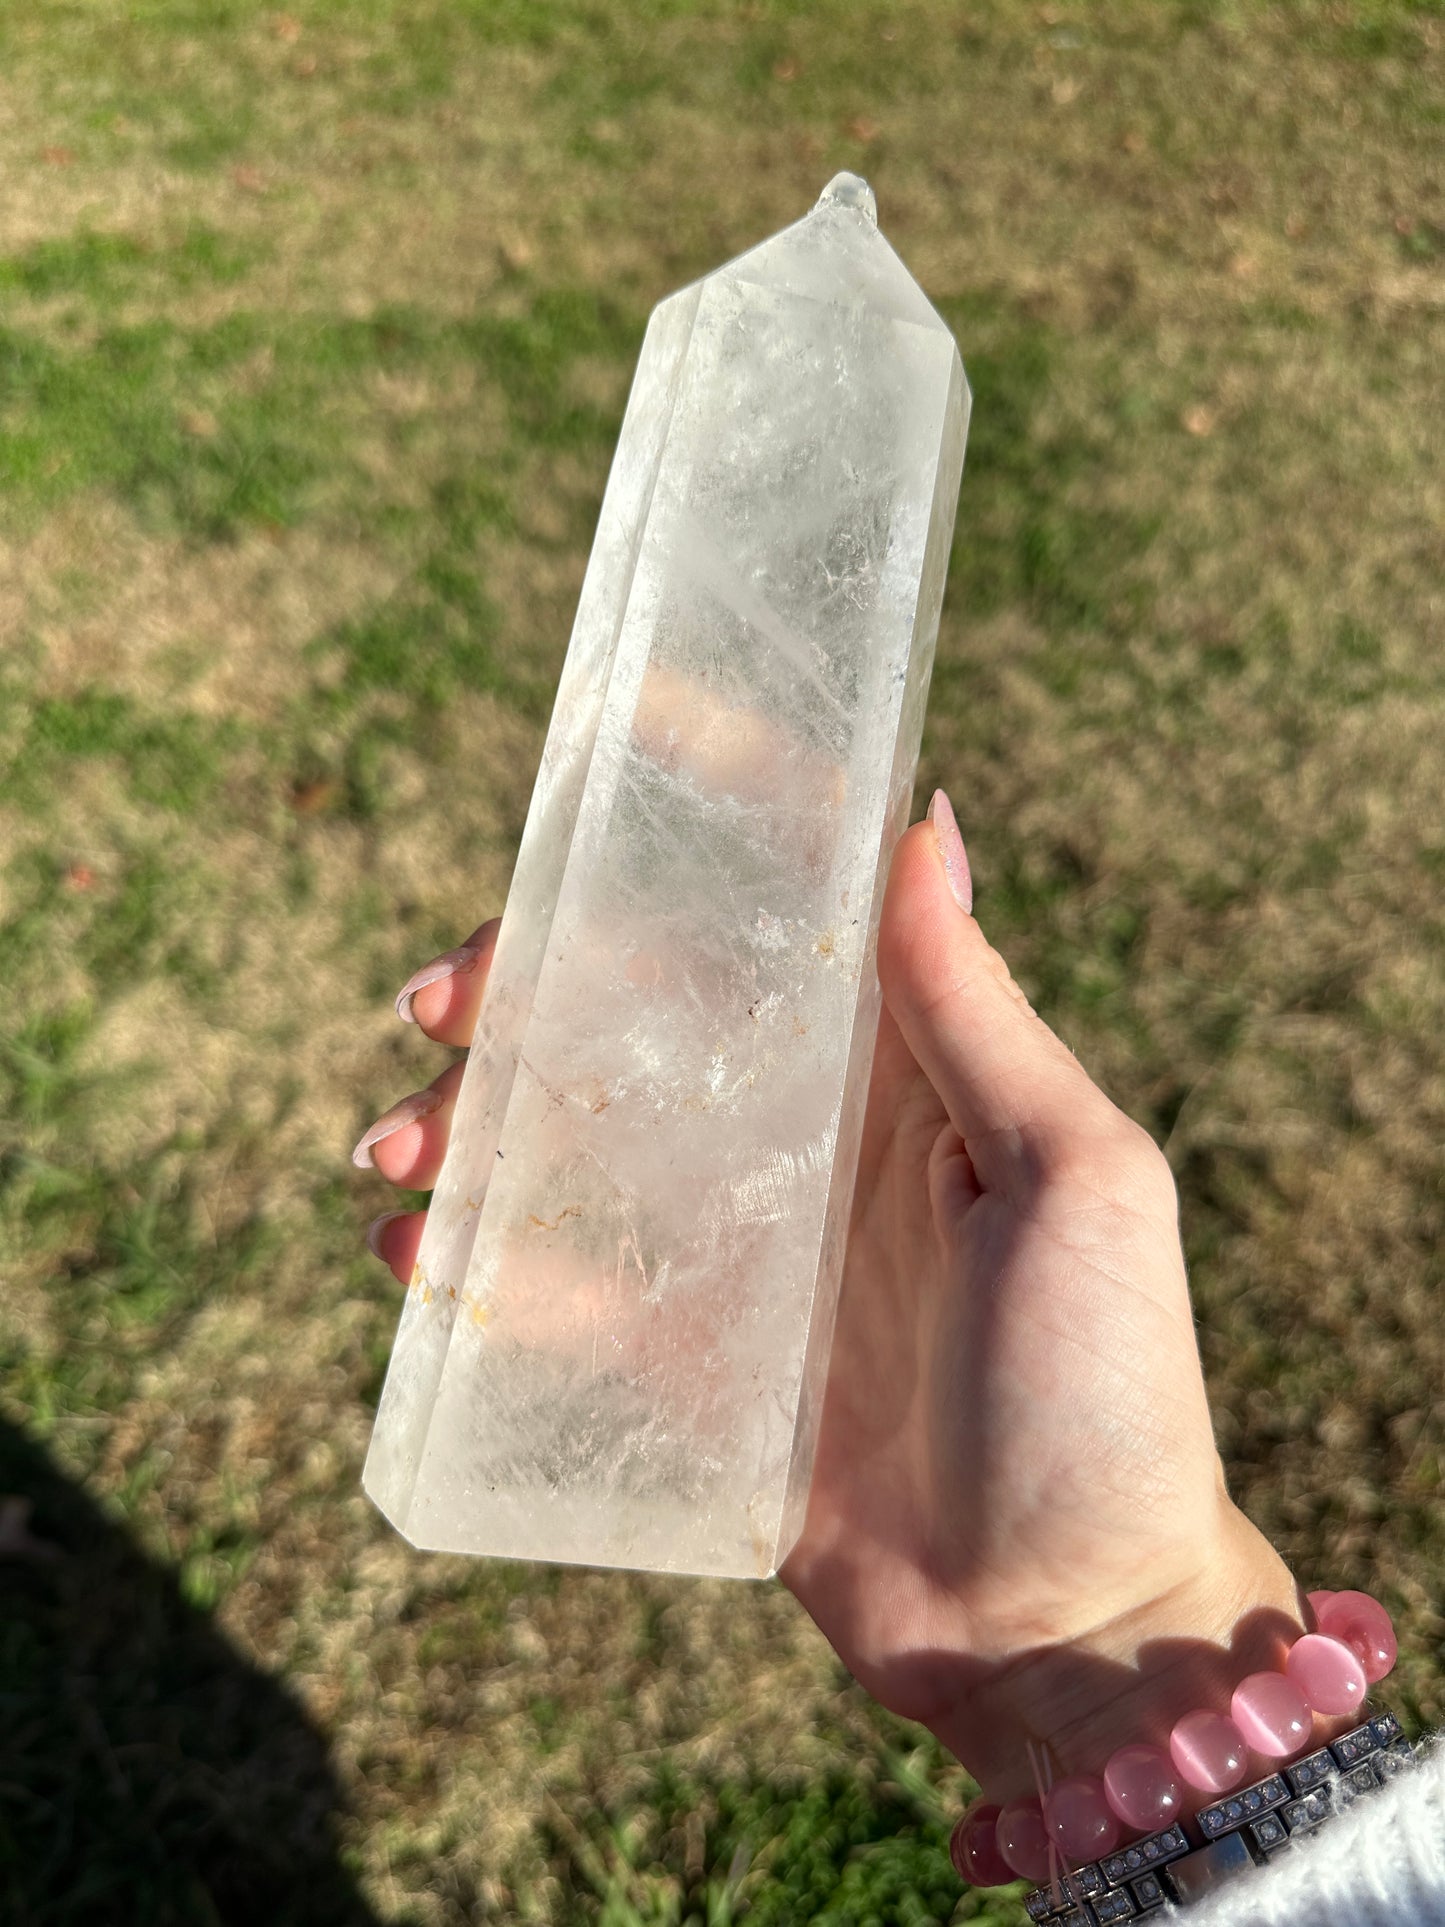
316 329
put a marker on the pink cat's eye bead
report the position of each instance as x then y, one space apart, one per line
1327 1672
1022 1839
1362 1624
973 1848
1272 1714
1209 1751
1078 1815
1143 1787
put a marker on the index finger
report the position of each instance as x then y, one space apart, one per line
444 997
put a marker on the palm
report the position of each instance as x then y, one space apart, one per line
1007 1430
1016 1502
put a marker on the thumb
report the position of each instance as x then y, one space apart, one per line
1024 1106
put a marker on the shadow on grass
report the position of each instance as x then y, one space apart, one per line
148 1772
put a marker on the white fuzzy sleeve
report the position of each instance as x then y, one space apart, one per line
1380 1864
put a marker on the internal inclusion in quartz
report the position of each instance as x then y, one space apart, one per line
616 1340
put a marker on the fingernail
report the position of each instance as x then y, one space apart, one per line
447 965
410 1110
375 1229
951 850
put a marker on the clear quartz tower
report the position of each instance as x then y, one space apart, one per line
616 1339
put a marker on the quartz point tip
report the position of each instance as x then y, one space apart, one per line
850 190
616 1340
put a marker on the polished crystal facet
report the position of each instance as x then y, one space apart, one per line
614 1347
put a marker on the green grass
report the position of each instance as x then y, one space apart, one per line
315 335
845 1848
100 266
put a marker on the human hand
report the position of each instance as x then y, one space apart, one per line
1017 1528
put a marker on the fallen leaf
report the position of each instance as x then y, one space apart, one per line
1242 265
787 68
861 128
58 156
286 27
248 179
1198 420
307 799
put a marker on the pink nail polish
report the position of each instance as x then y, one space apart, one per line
410 1111
449 964
950 849
375 1229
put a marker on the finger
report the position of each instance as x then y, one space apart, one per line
444 996
408 1142
395 1238
1016 1095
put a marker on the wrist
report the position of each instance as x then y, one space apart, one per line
1233 1609
1144 1788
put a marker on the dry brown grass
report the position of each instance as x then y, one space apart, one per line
1198 761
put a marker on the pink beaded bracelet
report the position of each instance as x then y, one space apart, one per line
1145 1788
